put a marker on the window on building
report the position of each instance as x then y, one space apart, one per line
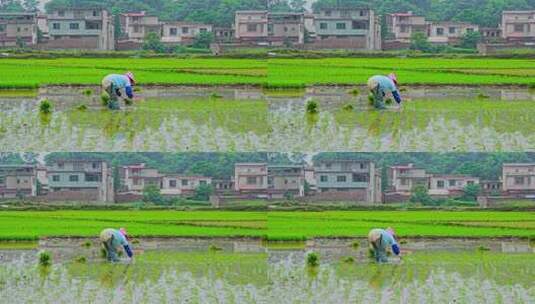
185 30
519 28
328 13
341 178
451 30
172 183
360 178
404 28
61 13
95 165
470 182
363 13
95 13
251 27
452 183
203 30
73 178
440 31
93 25
18 29
404 181
74 26
285 29
173 31
89 177
251 180
2 27
56 26
184 182
440 184
323 26
324 178
519 180
363 166
340 26
469 30
345 14
55 178
202 182
78 166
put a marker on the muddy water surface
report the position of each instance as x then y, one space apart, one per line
175 119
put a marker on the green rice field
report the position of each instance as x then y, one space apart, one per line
270 225
24 73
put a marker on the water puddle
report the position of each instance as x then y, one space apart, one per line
179 119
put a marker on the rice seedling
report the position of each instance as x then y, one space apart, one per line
348 260
312 107
82 107
312 259
87 92
81 259
214 248
87 244
105 99
354 92
44 258
348 107
355 245
45 106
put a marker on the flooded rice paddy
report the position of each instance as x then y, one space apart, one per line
253 271
178 119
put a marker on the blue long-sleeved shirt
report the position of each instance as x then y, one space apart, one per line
121 82
387 85
120 240
390 241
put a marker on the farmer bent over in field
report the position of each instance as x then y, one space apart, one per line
113 85
380 241
112 239
381 85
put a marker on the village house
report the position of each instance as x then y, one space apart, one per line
286 28
286 181
223 185
490 34
182 185
134 178
518 178
491 186
404 178
80 180
518 26
223 34
136 26
450 185
347 28
449 32
351 180
17 29
251 27
251 178
17 181
72 28
182 32
403 25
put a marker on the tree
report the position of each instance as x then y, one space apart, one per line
203 192
151 194
470 192
420 194
31 5
117 32
419 42
203 40
470 40
152 43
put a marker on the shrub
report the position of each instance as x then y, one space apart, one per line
419 194
45 106
355 244
312 259
203 192
151 194
470 192
312 107
81 107
87 92
45 258
152 43
81 259
203 40
87 244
